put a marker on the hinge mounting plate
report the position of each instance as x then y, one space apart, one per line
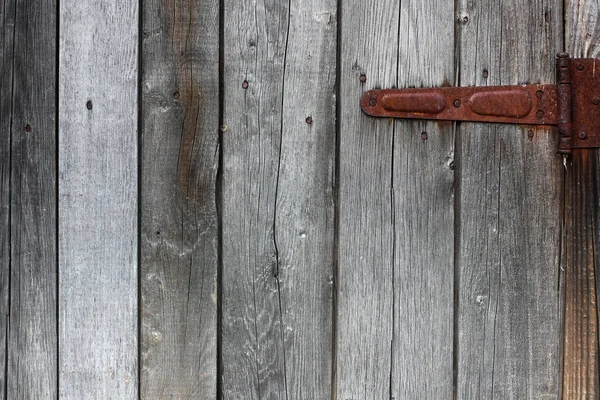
572 104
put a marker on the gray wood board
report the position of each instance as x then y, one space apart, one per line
7 15
509 185
98 212
395 314
28 200
277 198
179 226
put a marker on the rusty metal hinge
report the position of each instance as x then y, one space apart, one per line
573 104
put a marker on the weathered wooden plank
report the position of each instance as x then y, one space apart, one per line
98 212
7 16
32 333
395 329
365 325
580 368
582 261
423 213
277 198
179 227
509 180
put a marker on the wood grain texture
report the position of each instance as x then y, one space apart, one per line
423 213
277 199
179 227
98 212
396 209
32 333
365 302
580 368
7 15
509 179
581 259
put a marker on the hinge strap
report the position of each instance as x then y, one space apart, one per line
565 126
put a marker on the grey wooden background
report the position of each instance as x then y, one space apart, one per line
193 206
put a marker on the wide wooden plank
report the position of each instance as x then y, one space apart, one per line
32 326
423 213
509 185
395 318
581 239
179 227
277 199
98 212
365 302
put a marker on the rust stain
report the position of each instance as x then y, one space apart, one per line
180 15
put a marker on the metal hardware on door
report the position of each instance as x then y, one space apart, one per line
572 104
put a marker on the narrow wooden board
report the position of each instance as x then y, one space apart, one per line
581 239
277 199
365 292
580 368
509 185
98 212
7 15
179 225
32 326
423 213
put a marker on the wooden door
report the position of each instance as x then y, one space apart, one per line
193 205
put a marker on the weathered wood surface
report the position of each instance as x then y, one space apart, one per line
277 199
7 15
98 188
179 226
509 185
28 158
395 300
581 259
580 369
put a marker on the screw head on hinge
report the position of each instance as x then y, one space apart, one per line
582 135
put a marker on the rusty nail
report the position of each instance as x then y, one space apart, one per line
540 114
582 135
28 128
373 102
309 120
176 95
363 78
245 85
595 101
580 67
424 136
485 73
539 94
530 134
562 55
89 105
457 103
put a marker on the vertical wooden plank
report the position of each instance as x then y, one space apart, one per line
582 260
7 16
365 325
277 198
32 333
98 213
423 213
179 227
509 179
395 330
580 368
